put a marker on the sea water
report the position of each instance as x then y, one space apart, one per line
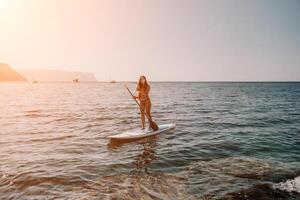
232 141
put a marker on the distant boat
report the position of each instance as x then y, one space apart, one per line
113 81
76 80
34 81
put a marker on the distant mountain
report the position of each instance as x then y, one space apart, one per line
56 76
8 74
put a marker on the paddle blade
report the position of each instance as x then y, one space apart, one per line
153 126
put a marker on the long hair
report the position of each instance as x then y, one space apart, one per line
140 86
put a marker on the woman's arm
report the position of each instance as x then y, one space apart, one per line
138 95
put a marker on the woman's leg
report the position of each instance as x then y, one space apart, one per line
142 109
148 110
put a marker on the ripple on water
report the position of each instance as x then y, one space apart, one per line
122 186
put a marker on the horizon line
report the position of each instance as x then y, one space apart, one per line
180 81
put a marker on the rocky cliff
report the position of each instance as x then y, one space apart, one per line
8 74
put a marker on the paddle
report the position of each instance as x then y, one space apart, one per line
153 125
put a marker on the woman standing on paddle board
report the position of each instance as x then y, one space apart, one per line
143 89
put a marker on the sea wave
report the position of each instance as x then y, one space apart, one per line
219 178
292 185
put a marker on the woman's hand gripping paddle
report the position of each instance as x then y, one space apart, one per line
153 125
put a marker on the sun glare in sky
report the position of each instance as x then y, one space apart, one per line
5 6
197 40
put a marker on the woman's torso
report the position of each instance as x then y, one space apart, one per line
144 94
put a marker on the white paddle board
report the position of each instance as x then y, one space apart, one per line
138 133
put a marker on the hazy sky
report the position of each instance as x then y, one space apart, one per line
192 40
